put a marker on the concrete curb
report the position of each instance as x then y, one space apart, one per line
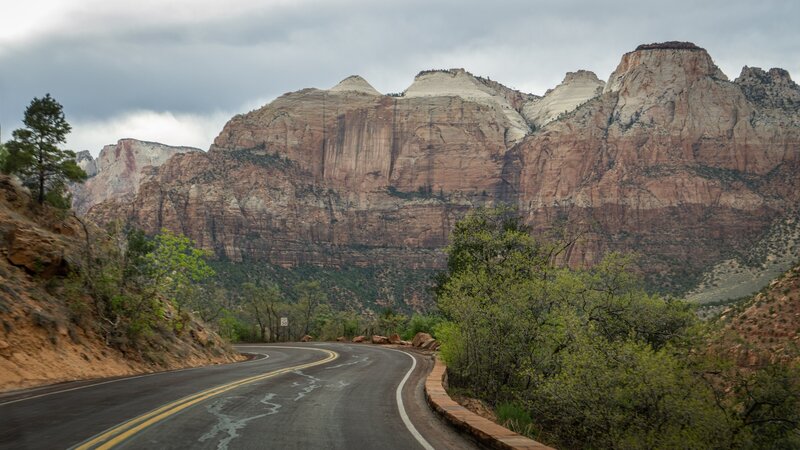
484 430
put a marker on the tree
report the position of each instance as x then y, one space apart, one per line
33 153
596 360
263 305
175 264
3 156
309 296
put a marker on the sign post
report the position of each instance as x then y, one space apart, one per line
285 326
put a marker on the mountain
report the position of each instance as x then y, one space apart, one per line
117 171
672 161
669 159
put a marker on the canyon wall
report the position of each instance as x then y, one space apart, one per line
669 159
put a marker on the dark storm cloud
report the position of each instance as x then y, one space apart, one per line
101 68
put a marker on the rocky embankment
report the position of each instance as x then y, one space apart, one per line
765 329
50 329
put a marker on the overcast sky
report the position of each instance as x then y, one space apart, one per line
175 71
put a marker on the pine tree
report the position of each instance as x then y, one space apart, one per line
34 156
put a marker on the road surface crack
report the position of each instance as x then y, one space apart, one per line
313 384
227 423
274 407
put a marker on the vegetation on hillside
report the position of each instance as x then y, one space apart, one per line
132 292
592 358
253 312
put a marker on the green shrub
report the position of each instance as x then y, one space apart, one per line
515 418
425 323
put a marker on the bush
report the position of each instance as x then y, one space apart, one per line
515 418
596 360
421 323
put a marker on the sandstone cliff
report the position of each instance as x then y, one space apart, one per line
118 169
671 160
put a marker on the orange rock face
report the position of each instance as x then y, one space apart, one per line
671 160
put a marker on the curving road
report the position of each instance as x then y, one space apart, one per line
318 395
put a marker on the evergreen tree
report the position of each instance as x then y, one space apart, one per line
34 156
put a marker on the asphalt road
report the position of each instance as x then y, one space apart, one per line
317 395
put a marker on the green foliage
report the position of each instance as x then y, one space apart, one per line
596 360
345 324
309 296
425 323
346 288
767 407
174 264
34 156
141 284
390 322
515 417
263 306
3 157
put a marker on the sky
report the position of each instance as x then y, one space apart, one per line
175 71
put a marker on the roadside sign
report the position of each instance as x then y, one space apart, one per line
284 321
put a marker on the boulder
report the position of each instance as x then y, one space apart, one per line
341 339
395 339
36 251
359 339
376 339
306 338
420 338
430 344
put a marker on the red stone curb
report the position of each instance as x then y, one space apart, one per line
484 430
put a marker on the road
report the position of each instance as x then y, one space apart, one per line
316 395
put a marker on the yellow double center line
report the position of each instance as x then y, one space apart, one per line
116 435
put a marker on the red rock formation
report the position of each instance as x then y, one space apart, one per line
671 160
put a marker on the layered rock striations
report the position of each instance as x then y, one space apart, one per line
117 171
334 177
672 160
669 159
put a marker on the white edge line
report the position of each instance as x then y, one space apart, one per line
399 397
116 380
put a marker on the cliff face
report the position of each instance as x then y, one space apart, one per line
671 159
116 172
338 177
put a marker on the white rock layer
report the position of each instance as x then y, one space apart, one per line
577 88
460 83
355 83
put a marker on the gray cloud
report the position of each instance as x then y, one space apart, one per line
103 65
